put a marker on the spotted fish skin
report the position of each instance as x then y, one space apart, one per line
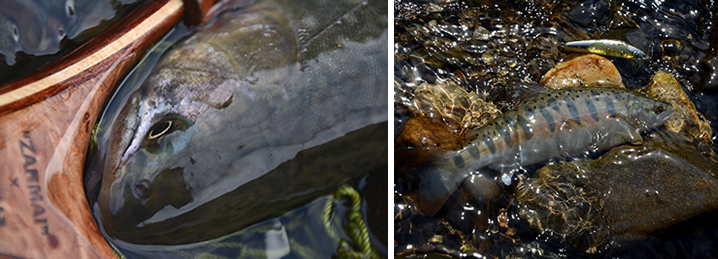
556 125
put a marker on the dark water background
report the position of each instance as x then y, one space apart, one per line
499 47
34 33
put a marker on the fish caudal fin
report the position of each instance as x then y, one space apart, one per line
435 187
436 181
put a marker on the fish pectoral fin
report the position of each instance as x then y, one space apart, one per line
634 137
435 187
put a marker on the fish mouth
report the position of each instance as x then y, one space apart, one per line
117 196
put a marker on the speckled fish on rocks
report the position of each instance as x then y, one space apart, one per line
556 125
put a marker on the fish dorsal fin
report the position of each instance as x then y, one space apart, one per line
526 92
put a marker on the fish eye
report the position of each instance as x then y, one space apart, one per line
659 109
161 135
159 129
141 189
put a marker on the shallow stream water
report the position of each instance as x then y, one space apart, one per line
497 50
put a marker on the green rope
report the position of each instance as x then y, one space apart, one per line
116 252
328 209
354 242
208 256
356 227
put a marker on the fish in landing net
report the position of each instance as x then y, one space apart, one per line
559 124
258 113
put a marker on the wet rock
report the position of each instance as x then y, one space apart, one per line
481 33
670 47
533 249
443 113
709 63
583 71
451 234
429 133
627 194
484 194
450 102
665 87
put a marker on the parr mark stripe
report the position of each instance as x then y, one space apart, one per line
573 110
549 119
474 151
554 104
525 127
489 143
510 121
609 106
504 134
592 109
459 161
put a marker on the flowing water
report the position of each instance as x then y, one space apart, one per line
579 206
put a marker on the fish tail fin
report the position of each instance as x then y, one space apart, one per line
436 181
435 187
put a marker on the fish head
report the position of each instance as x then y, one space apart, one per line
648 113
166 147
150 157
232 116
146 158
143 171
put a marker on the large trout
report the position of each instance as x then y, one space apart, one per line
556 125
256 114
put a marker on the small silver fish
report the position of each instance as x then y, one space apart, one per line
557 125
611 48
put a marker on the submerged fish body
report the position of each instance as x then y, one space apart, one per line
256 114
560 124
612 48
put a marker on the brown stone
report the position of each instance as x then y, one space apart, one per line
627 194
665 87
589 70
429 133
454 105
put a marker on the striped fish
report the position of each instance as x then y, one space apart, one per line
556 125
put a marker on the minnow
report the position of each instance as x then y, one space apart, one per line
556 125
611 48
